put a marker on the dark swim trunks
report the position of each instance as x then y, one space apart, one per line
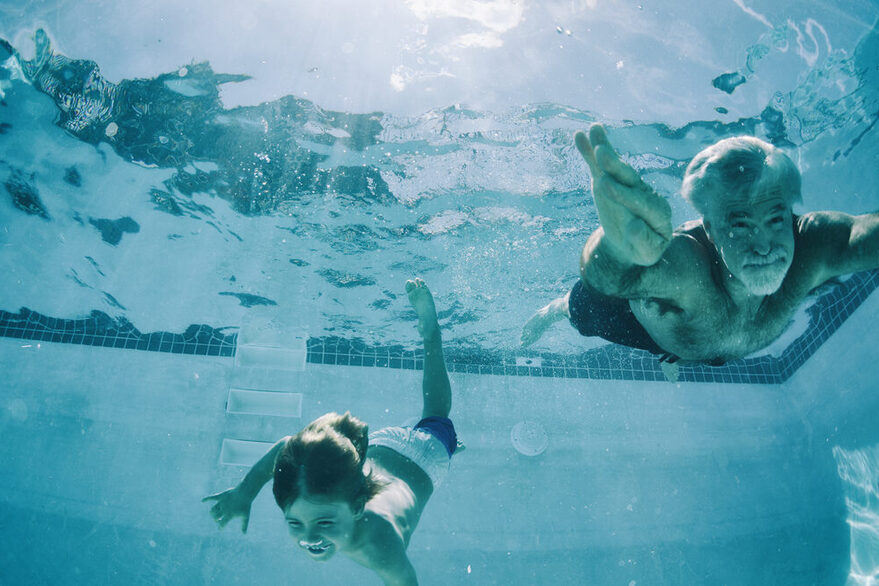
611 318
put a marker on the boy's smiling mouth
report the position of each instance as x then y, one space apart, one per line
316 548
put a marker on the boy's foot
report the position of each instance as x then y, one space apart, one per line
422 300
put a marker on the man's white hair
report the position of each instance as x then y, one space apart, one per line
742 166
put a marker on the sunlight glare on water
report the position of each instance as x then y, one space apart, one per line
859 471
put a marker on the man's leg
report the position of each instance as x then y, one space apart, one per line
534 328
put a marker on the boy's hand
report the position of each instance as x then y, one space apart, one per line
635 219
230 504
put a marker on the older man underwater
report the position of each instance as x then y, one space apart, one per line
714 289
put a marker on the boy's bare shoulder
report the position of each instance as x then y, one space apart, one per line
383 550
380 532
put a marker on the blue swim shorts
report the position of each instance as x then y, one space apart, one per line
442 429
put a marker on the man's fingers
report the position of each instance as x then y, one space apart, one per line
597 135
643 203
585 148
244 522
618 182
609 162
602 157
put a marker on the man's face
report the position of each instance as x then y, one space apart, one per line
755 239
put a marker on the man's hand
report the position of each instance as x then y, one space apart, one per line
635 219
230 504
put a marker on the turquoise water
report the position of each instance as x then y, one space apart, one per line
301 168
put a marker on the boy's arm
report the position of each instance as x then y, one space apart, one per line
235 502
394 566
403 575
384 552
838 244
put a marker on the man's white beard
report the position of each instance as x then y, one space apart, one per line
764 279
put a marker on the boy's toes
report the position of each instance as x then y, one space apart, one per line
413 284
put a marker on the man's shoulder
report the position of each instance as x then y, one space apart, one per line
820 221
686 261
822 233
693 228
690 239
821 239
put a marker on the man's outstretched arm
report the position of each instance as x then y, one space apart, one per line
635 221
840 243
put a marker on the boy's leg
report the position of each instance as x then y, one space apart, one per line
435 385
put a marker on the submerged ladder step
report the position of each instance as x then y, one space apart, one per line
242 452
260 402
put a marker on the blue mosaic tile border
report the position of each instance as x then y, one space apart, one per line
610 362
99 329
836 307
614 362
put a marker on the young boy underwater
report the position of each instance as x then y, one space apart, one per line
361 495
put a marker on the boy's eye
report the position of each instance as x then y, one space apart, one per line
325 524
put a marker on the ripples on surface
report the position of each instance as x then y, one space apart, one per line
490 207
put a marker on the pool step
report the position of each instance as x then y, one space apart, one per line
242 452
264 401
261 402
266 342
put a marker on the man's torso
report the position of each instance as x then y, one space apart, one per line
705 324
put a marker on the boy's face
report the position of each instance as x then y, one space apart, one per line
321 526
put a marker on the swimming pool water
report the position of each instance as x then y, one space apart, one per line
164 192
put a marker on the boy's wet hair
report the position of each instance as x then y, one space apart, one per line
739 166
326 459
